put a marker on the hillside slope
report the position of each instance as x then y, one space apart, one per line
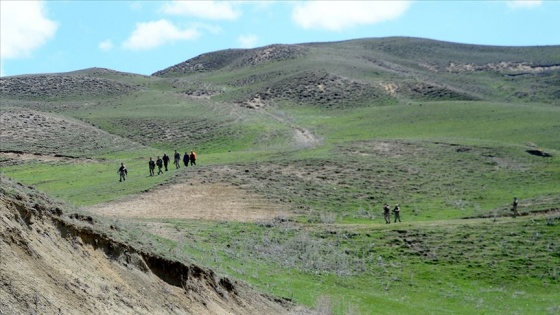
332 74
50 134
387 68
62 86
201 102
53 263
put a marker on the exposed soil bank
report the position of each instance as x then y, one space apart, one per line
52 263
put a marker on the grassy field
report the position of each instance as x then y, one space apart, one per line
450 267
337 255
451 148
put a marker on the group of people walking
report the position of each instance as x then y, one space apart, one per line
163 162
387 213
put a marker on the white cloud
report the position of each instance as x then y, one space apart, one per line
106 45
154 34
248 40
524 4
213 29
339 15
24 27
212 10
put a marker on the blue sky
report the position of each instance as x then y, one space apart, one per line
147 36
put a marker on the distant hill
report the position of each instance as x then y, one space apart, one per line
60 86
382 69
356 73
335 74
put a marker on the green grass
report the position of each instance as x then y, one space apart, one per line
455 122
457 268
439 266
87 183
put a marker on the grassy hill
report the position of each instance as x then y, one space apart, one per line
327 132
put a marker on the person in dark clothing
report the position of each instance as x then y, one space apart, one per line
122 172
177 159
387 214
514 207
165 161
186 159
151 166
159 163
397 213
192 158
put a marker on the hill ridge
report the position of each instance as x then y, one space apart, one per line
419 69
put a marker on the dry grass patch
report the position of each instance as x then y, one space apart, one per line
189 201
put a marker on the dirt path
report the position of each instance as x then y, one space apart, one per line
185 201
302 137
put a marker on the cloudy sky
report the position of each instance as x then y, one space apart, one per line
146 36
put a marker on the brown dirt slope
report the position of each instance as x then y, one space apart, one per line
54 263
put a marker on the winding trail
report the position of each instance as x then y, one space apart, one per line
302 137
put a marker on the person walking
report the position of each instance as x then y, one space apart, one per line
186 159
151 166
387 214
177 159
165 161
192 157
514 207
397 213
159 163
122 172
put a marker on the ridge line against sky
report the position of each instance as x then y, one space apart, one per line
143 37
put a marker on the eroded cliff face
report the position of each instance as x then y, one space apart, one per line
51 265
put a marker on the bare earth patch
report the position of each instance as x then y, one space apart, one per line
218 202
